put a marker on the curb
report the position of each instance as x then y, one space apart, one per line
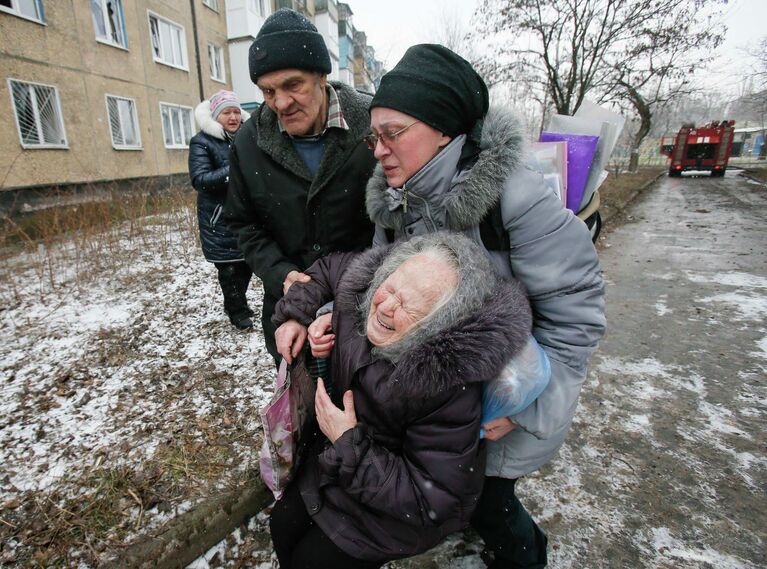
744 174
189 535
612 211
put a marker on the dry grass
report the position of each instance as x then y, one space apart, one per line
621 187
757 173
82 241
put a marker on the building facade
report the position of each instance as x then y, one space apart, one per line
104 89
101 90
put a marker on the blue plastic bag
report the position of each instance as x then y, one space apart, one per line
520 383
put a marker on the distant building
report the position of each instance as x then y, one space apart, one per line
345 44
244 18
104 89
326 20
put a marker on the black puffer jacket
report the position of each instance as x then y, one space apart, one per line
411 471
209 171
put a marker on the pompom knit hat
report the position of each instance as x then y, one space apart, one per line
288 40
437 86
222 100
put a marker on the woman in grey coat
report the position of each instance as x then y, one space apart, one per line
448 161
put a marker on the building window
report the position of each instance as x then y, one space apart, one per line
38 115
216 60
123 123
176 125
212 4
109 22
31 9
257 6
168 42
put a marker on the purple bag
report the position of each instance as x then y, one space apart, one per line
580 153
288 412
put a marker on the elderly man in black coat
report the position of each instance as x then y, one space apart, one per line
299 167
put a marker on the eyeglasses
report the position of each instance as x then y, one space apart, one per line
386 138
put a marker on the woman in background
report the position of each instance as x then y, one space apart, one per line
219 120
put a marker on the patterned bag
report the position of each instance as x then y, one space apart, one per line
284 419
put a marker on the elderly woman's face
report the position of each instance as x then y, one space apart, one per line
230 118
407 297
411 149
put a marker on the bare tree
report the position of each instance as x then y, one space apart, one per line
638 51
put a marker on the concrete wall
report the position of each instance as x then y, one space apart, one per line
64 53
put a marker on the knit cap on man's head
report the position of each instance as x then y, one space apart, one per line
287 40
436 86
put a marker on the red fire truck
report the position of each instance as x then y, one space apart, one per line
704 148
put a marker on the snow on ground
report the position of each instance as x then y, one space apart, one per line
130 369
120 367
639 481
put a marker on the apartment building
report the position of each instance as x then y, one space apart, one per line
99 90
244 20
104 89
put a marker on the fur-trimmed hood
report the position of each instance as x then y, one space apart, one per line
466 196
208 124
467 348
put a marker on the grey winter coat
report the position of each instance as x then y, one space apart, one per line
209 173
551 253
410 472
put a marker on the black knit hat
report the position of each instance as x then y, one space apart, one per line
436 86
287 40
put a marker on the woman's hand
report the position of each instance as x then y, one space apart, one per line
498 428
321 338
333 421
290 338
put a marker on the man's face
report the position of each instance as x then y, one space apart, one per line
407 297
298 98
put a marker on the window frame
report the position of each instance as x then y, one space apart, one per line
171 107
14 10
258 7
181 34
212 4
121 20
134 117
220 51
38 124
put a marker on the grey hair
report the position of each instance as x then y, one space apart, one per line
476 283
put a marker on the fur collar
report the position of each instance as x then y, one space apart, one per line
472 349
472 192
210 126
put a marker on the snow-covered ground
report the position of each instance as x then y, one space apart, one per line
127 398
123 382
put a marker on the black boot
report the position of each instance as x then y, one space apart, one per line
234 279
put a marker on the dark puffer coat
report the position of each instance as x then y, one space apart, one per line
209 171
411 470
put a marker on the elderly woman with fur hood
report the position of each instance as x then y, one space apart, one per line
419 326
219 120
450 161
